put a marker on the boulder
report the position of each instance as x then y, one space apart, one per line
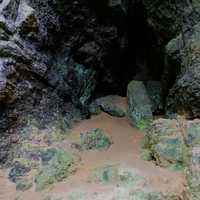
184 97
166 143
95 139
139 105
113 105
193 174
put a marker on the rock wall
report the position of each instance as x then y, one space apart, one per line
176 28
52 54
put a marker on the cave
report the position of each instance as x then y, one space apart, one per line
99 98
137 57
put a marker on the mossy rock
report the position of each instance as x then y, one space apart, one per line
164 141
141 195
104 174
54 198
18 170
94 109
24 184
57 169
146 155
126 177
77 196
114 105
139 105
95 139
168 151
193 173
193 133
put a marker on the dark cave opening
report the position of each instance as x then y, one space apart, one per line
136 58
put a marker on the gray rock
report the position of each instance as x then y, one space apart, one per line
113 105
139 105
166 143
184 97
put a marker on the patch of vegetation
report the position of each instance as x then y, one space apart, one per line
124 176
23 184
143 124
95 139
140 195
57 169
146 155
18 170
77 196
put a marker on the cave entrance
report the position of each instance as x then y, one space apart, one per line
137 58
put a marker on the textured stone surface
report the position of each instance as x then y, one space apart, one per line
139 105
113 105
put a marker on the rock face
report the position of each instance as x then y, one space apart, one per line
175 144
176 27
49 68
184 96
165 141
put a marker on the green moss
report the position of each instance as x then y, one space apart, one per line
95 139
146 155
23 184
115 111
169 151
127 177
94 109
141 195
53 198
104 174
57 169
139 105
77 196
143 124
177 167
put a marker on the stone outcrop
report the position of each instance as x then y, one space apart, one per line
139 105
175 26
52 55
175 143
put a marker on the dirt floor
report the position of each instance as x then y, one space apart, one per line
124 152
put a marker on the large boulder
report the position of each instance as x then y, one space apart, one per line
175 26
113 105
154 90
175 143
184 97
165 141
168 18
193 174
139 105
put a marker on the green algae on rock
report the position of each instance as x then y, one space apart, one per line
57 169
95 139
94 109
165 142
139 105
24 184
125 177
